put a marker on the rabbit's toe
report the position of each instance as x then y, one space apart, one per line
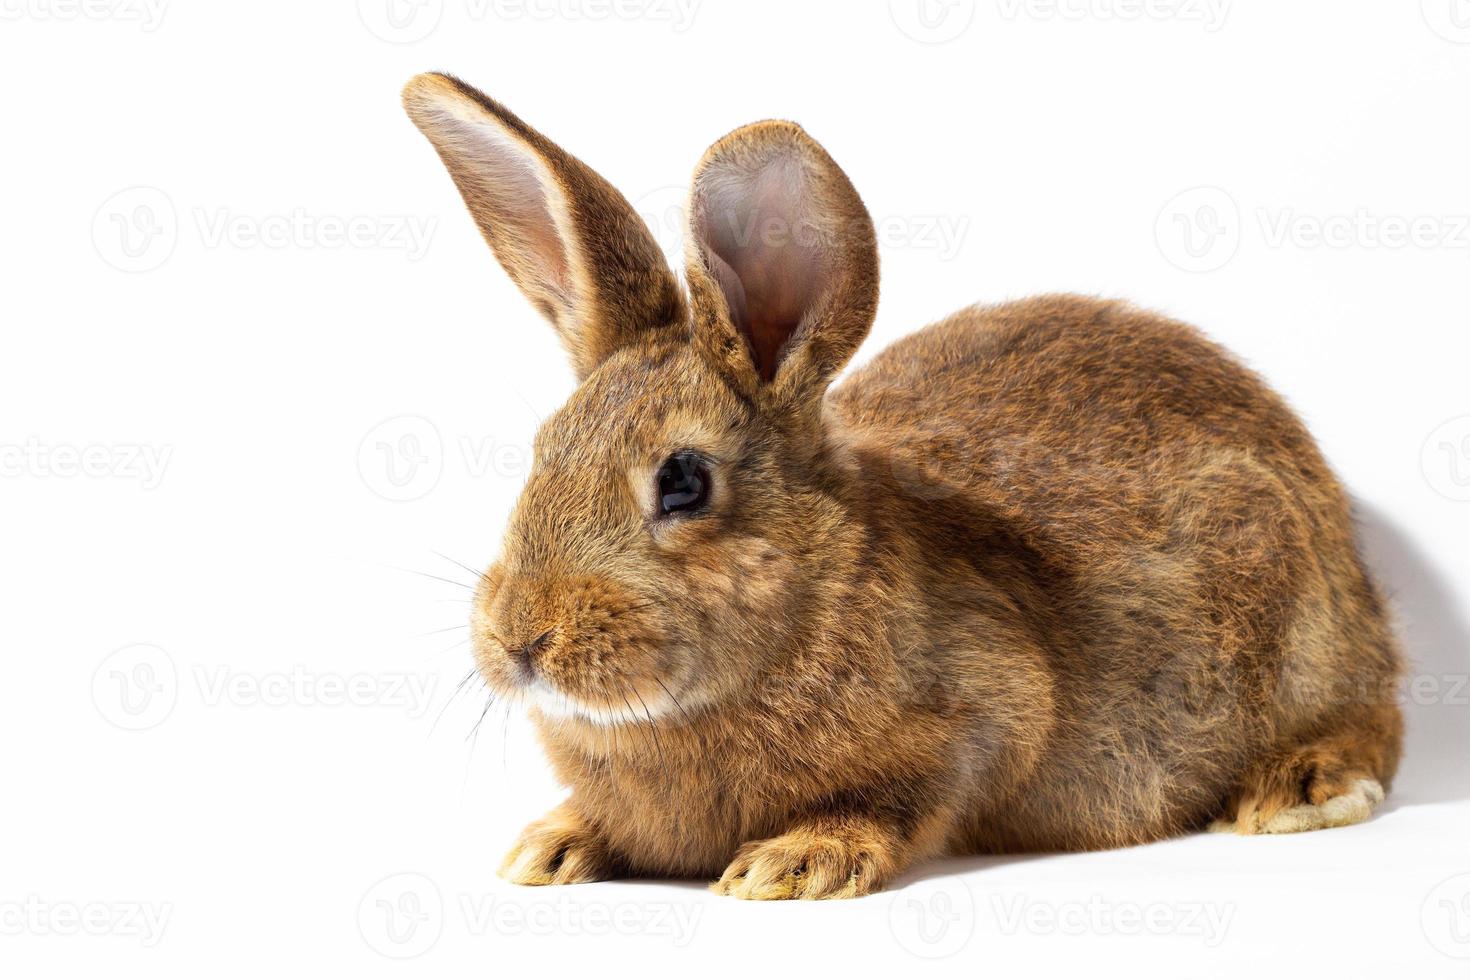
1354 806
557 851
803 864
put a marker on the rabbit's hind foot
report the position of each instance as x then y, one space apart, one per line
1335 782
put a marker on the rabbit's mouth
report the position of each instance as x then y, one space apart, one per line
554 704
576 648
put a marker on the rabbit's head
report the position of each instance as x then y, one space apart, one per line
678 529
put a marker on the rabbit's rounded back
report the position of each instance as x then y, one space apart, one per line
1172 535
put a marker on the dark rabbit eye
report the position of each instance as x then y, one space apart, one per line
683 484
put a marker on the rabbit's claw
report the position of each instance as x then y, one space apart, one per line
559 849
803 864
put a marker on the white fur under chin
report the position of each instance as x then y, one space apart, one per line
553 704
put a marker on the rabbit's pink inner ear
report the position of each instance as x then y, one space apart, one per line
517 194
763 247
513 198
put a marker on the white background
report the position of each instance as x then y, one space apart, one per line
230 439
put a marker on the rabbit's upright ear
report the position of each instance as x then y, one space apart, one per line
782 261
570 241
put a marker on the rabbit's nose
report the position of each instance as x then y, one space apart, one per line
524 654
520 617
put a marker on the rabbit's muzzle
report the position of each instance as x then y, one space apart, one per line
577 645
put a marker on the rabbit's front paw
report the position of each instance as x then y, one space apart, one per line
558 849
807 864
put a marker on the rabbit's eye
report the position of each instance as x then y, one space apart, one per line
683 484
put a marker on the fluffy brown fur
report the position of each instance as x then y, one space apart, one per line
1055 574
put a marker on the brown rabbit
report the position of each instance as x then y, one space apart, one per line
1056 574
